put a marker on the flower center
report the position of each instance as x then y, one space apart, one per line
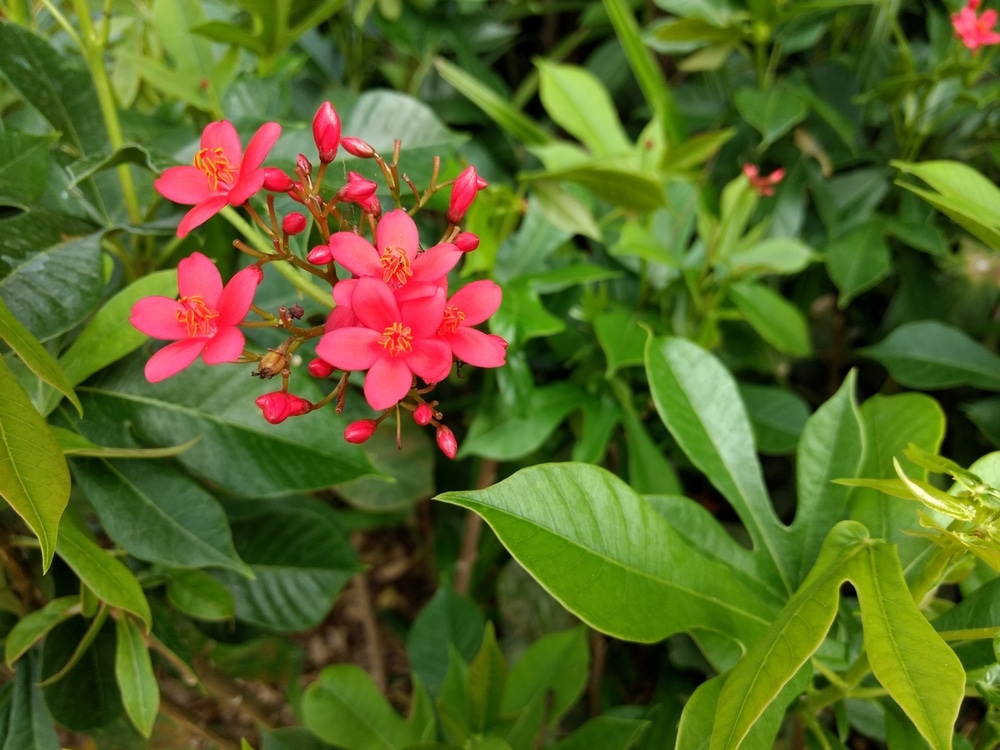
396 338
396 269
197 316
453 318
215 165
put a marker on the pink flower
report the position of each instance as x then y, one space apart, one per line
975 31
359 432
469 306
446 441
278 406
326 132
763 186
394 341
222 174
203 321
394 258
463 192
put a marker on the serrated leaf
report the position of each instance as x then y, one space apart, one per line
34 478
134 673
32 627
603 552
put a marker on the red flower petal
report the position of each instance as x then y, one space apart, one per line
222 134
388 380
355 254
197 276
201 213
423 314
249 184
478 300
184 185
173 358
225 346
396 229
436 262
157 317
430 359
350 348
237 296
261 142
477 348
374 304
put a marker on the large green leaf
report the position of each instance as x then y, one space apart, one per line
831 447
34 478
32 627
104 575
773 111
858 260
448 624
610 180
136 680
25 721
698 401
779 322
929 355
238 449
603 552
133 497
23 166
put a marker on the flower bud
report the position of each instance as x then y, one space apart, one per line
293 223
319 368
446 441
326 132
302 165
360 431
466 242
320 255
423 415
276 180
463 192
357 190
357 147
279 406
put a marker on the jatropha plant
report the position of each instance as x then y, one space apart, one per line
393 319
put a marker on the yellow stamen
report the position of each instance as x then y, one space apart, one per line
453 318
197 316
215 165
396 269
396 338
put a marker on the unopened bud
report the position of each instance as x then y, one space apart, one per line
466 242
319 368
279 406
326 132
277 181
423 415
357 190
463 192
320 255
357 147
293 223
302 165
446 441
360 431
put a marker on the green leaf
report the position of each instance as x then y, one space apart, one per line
772 255
109 579
621 337
579 103
605 732
132 497
565 210
344 707
34 478
300 561
777 417
976 616
649 471
32 627
217 405
198 595
858 260
75 444
136 680
485 682
773 112
25 721
778 321
24 163
34 355
699 403
603 552
831 447
610 180
930 355
447 623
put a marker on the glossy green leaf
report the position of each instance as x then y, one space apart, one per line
779 322
649 470
697 399
611 181
198 595
777 417
976 616
831 447
109 579
605 732
781 255
136 680
603 552
132 497
25 720
858 260
447 623
344 707
579 103
34 355
87 697
32 627
23 166
485 680
217 405
300 561
565 210
929 355
34 478
773 111
621 337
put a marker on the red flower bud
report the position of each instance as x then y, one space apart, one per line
320 255
303 165
357 147
466 242
463 192
360 431
276 180
319 368
446 441
358 189
326 132
279 406
293 223
423 415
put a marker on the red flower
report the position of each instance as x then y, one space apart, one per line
975 31
394 341
469 306
763 186
446 441
278 406
359 432
463 192
222 174
326 132
202 321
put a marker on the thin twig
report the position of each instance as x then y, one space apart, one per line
473 529
193 724
373 644
20 579
222 688
598 651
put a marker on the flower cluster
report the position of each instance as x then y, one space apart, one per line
393 317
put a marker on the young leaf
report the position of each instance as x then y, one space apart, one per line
858 260
25 721
134 672
778 321
32 627
447 622
486 679
34 478
603 552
